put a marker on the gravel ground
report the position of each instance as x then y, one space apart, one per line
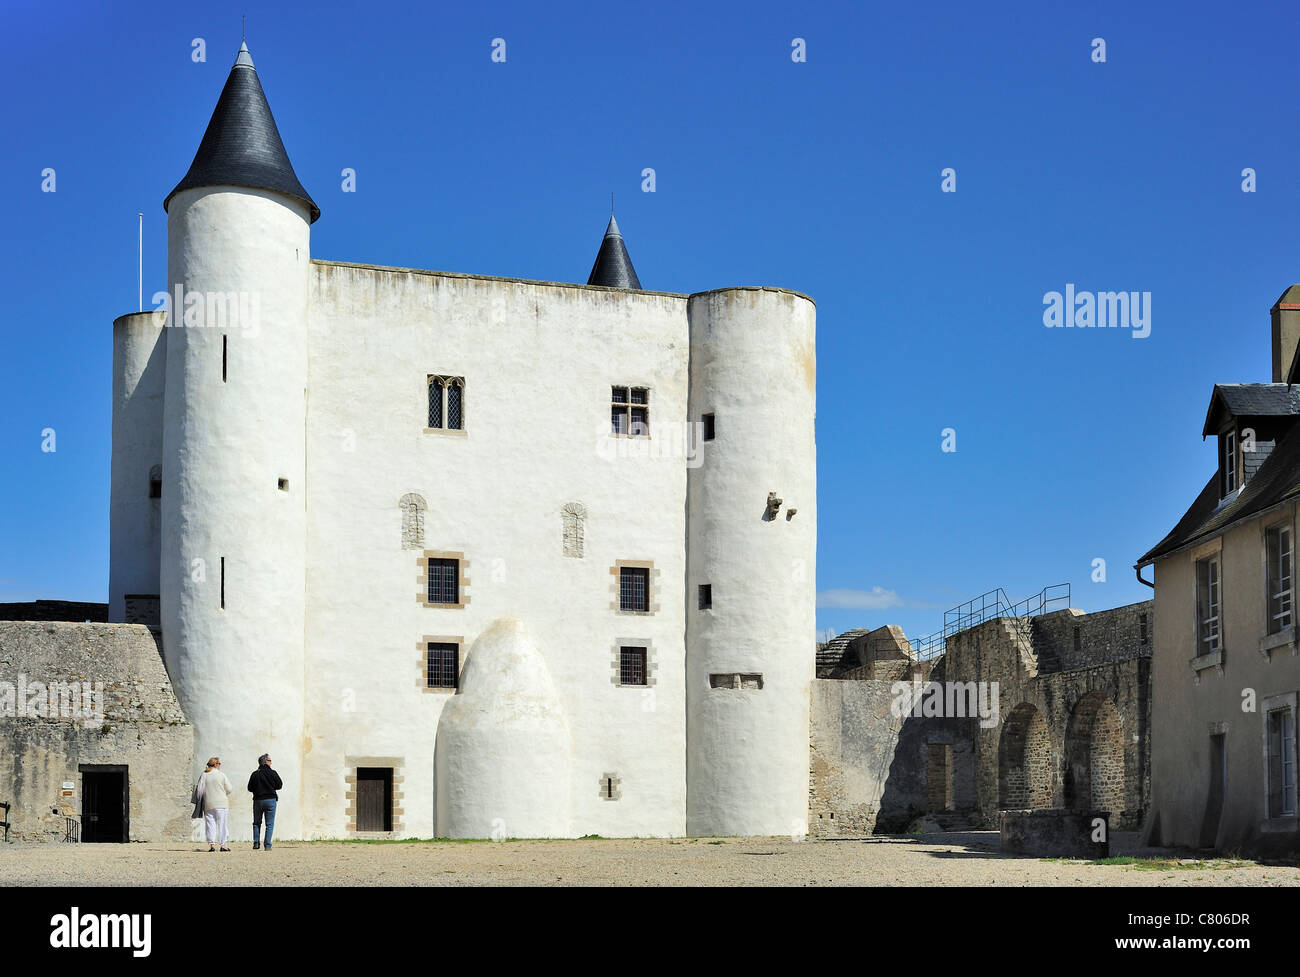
968 858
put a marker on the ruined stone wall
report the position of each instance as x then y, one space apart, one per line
1067 739
137 723
1072 727
869 766
1071 639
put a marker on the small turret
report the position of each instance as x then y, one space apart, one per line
613 267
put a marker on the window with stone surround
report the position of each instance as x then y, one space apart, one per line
443 578
629 412
634 587
446 403
1278 545
1208 631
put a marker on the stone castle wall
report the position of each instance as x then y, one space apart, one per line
137 724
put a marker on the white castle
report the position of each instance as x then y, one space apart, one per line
468 556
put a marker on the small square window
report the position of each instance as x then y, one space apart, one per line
706 596
282 484
443 665
634 588
631 666
708 427
629 412
444 581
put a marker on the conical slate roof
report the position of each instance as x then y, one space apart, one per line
242 147
613 267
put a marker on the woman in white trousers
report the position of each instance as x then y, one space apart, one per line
216 792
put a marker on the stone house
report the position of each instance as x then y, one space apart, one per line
1225 663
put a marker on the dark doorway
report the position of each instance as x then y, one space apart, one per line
105 799
1214 798
374 798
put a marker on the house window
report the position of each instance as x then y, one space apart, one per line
706 596
446 403
444 581
634 588
1281 763
1278 542
708 427
1229 462
629 412
631 666
1207 606
443 665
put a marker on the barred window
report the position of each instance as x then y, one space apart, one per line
629 411
446 403
444 581
634 588
443 665
631 666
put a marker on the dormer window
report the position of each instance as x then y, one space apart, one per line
1228 463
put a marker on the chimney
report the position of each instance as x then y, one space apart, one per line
1286 333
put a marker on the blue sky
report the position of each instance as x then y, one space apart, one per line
821 176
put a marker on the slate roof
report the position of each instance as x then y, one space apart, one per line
1276 481
1250 400
242 146
613 266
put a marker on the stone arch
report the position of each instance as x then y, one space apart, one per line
413 508
1024 761
574 520
1094 756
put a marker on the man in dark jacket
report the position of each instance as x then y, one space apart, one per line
263 784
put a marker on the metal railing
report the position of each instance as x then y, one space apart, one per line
5 823
988 607
71 830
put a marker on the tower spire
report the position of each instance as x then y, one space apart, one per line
241 146
613 267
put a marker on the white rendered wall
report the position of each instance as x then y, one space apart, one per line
753 365
134 522
504 750
238 671
539 360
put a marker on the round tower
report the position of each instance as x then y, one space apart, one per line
752 541
233 465
135 503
